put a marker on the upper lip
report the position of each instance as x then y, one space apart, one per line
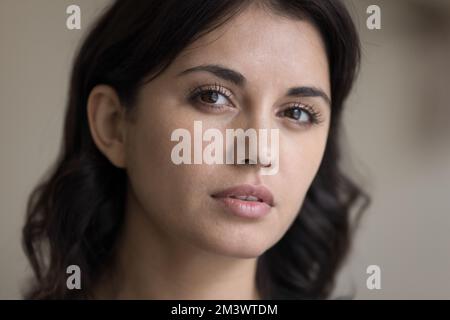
259 191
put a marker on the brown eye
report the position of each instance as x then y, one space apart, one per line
302 114
209 96
214 97
297 114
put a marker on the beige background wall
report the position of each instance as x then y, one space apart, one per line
397 131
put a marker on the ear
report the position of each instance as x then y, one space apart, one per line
106 118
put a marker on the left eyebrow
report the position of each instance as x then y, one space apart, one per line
308 92
239 79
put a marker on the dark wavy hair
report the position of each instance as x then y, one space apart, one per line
75 213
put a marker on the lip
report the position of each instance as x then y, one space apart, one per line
246 208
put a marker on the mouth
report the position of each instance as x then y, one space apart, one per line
249 201
247 198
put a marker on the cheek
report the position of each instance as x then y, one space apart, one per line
159 184
300 159
149 166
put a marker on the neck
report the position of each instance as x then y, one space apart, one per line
151 264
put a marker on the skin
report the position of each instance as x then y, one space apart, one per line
177 242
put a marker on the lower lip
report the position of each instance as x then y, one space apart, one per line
245 209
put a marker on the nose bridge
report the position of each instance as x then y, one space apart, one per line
256 119
258 114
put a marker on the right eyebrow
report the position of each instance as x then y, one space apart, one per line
219 71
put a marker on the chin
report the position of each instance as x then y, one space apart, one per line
251 247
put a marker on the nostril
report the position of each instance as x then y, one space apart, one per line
248 161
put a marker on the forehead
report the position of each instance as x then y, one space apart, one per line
263 46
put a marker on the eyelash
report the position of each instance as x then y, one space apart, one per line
217 88
194 94
314 115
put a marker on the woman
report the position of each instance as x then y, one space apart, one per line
140 225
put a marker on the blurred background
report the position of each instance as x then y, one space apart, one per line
396 135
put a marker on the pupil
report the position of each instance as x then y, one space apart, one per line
294 113
210 97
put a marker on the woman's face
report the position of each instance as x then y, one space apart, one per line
273 54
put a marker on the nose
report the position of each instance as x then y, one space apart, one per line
253 135
249 161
